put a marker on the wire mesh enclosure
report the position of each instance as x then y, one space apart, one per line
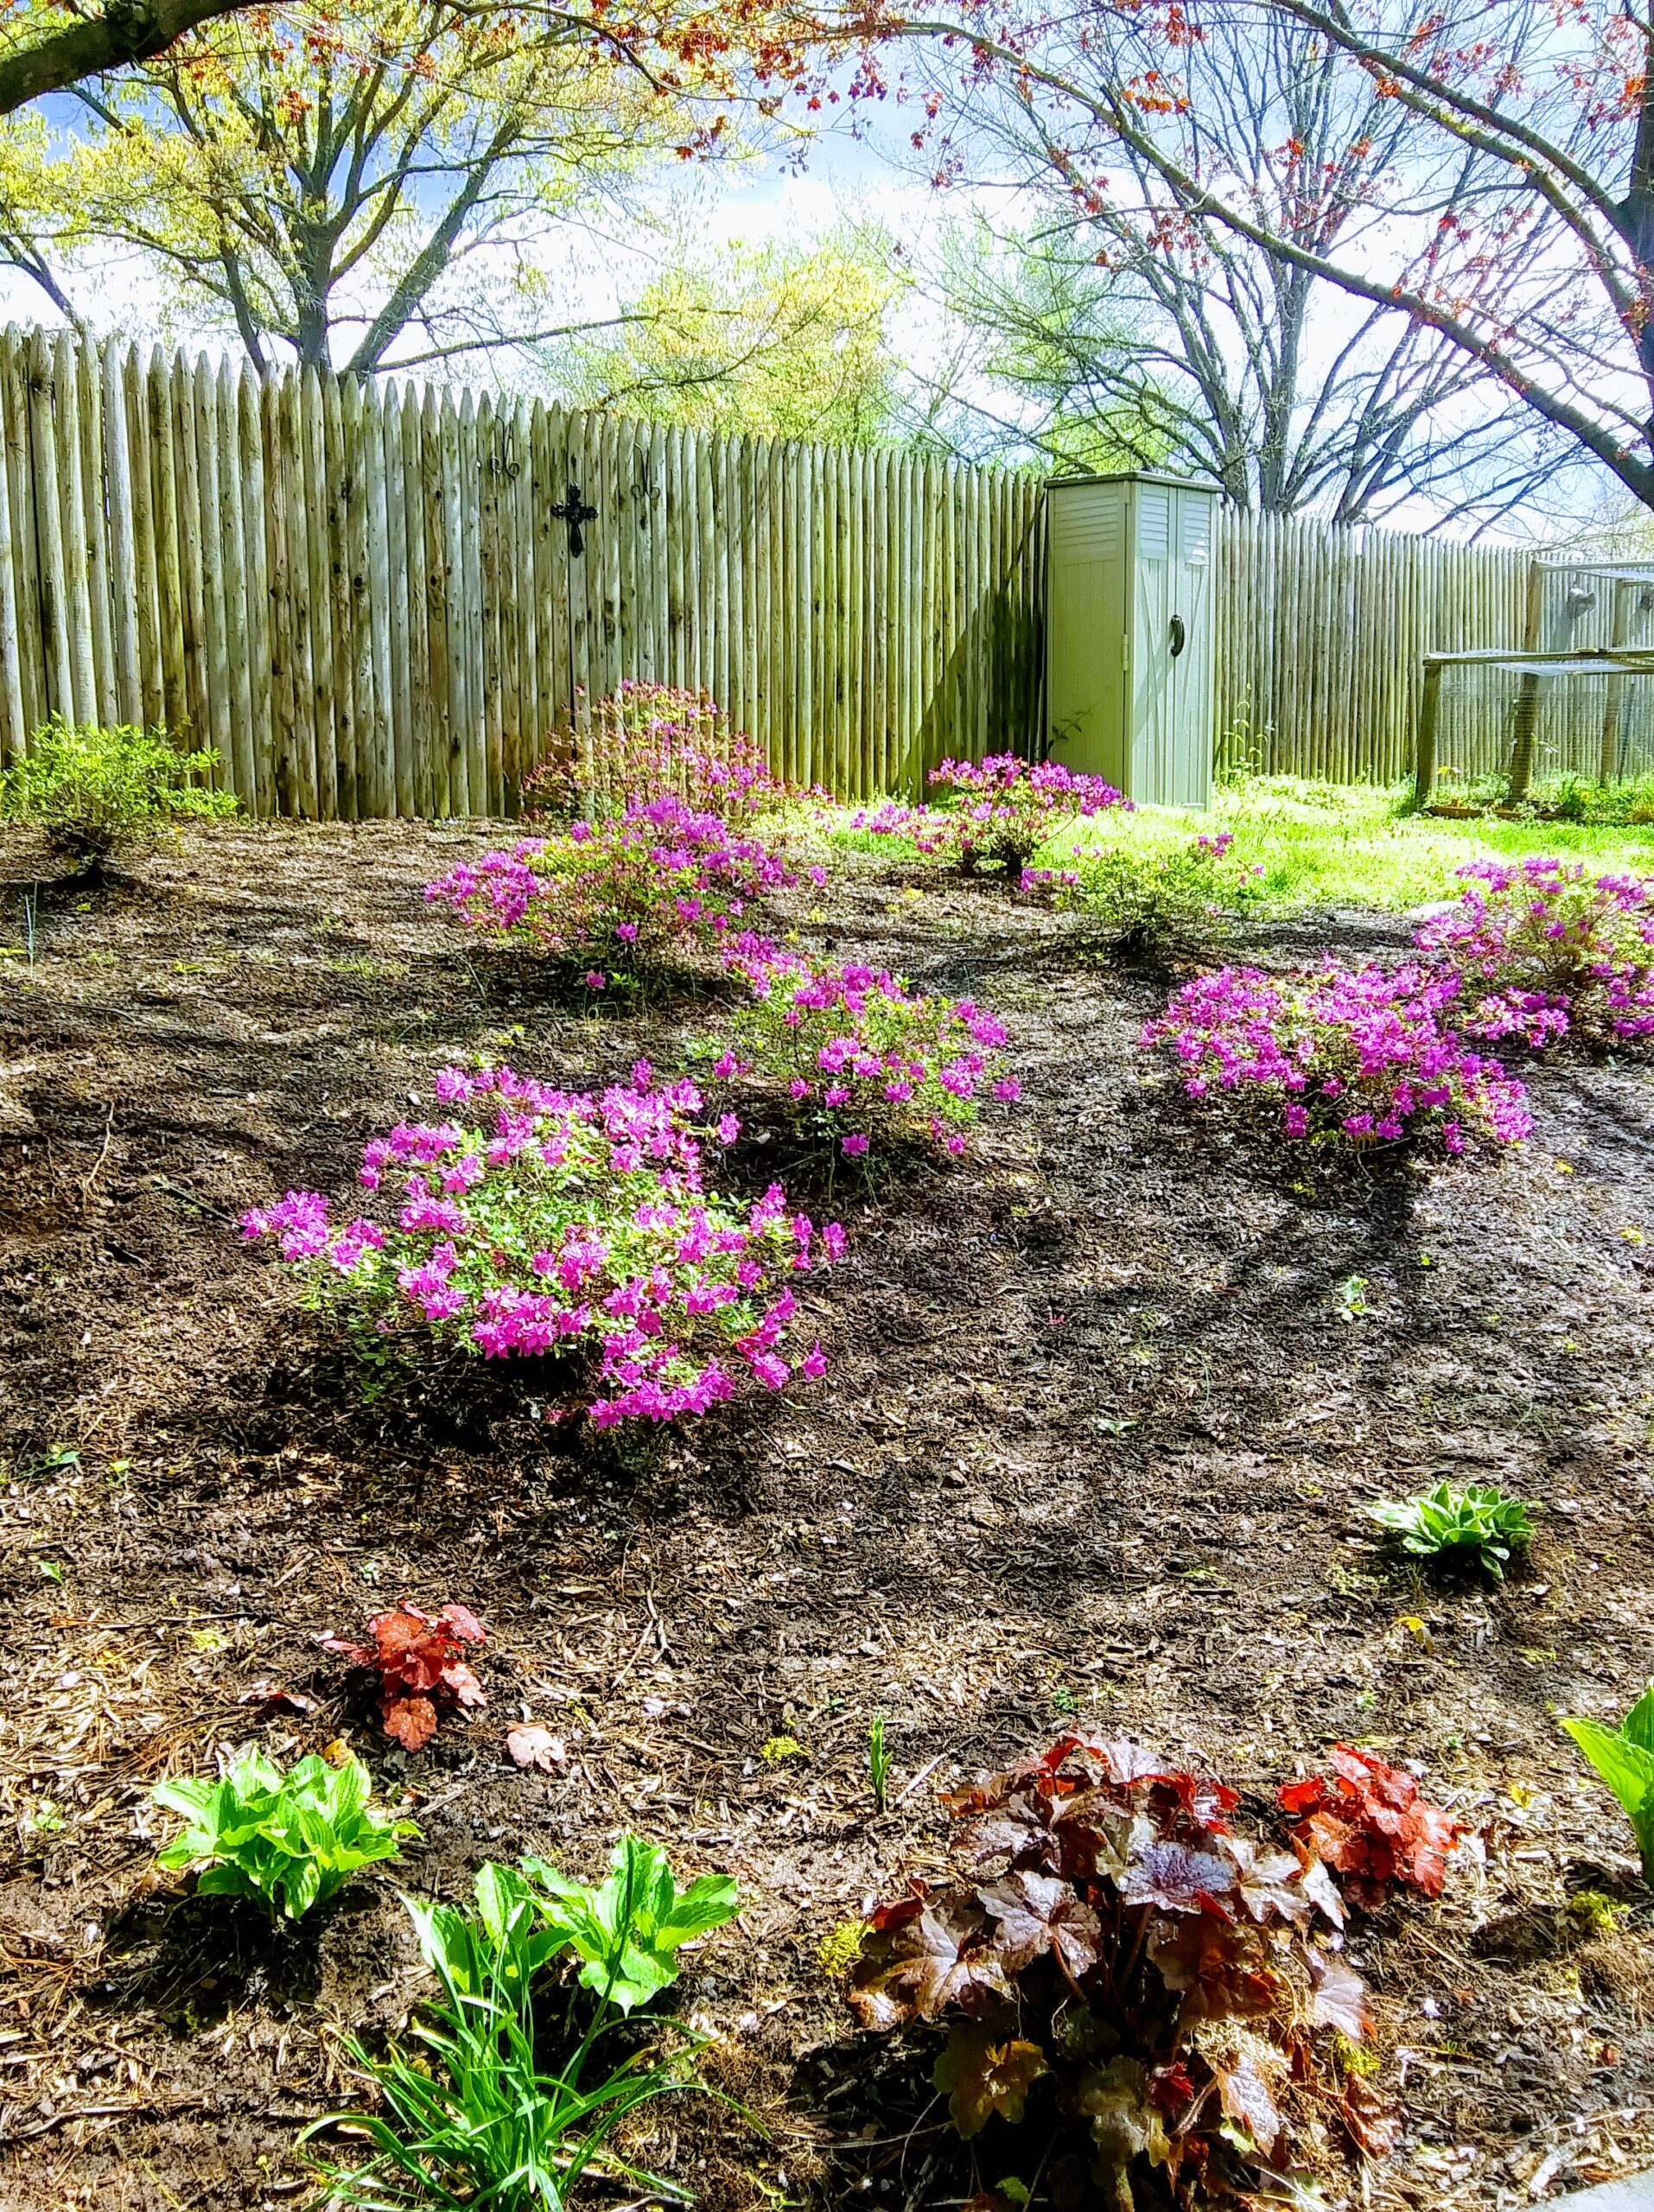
1589 720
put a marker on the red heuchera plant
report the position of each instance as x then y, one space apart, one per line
1368 1822
417 1658
1108 1946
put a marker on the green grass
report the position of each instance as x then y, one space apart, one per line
1332 844
1344 845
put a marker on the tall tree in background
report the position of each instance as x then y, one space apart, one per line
45 47
327 189
1122 304
1511 219
782 340
373 183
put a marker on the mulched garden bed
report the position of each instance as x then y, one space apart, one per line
1093 1446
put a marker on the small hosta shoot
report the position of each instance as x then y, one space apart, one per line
1477 1526
878 1762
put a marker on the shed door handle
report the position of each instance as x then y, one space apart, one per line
1180 636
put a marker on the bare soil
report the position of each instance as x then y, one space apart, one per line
1097 1431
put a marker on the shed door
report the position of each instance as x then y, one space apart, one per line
1152 691
1086 632
1189 763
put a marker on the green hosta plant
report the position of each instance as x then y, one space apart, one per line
626 1932
1624 1757
480 2115
1479 1525
290 1839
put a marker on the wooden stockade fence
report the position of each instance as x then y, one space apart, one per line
366 597
1323 633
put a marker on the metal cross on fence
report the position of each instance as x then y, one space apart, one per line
574 511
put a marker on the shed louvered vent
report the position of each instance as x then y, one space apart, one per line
1087 531
1155 523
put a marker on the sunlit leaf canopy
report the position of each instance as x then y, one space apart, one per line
331 181
779 341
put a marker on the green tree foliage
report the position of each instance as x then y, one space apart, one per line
782 340
329 189
1064 354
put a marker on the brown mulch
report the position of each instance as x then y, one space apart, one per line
1094 1443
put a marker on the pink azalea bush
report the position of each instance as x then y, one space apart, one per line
640 892
536 1221
993 813
849 1052
1351 1056
1544 950
647 741
1148 897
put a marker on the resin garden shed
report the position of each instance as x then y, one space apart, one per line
1129 633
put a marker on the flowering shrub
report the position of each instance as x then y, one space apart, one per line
637 894
1149 898
96 790
553 1223
1350 1055
1003 809
1550 949
849 1052
647 741
417 1660
992 813
1107 1946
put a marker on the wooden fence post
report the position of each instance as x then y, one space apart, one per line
1424 750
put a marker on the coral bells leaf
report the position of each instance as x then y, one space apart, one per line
1104 1925
532 1744
916 1962
1369 1823
1340 1998
415 1658
983 2076
409 1721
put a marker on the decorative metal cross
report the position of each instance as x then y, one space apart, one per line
574 511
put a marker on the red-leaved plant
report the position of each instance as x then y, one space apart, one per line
1110 1958
1368 1822
416 1660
